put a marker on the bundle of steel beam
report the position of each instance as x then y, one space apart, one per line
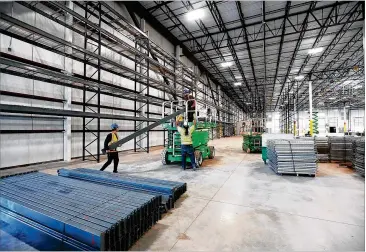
97 216
341 149
39 236
169 190
359 156
322 148
295 156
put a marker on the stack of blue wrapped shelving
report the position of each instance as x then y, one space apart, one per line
169 190
60 213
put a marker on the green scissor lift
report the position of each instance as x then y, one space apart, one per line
252 135
200 139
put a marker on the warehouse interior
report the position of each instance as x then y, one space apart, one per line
278 89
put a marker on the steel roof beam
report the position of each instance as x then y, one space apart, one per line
218 19
255 36
141 11
176 21
156 7
303 30
242 19
287 9
334 42
269 19
200 24
352 42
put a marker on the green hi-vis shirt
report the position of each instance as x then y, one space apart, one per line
186 140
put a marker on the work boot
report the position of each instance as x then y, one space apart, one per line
115 171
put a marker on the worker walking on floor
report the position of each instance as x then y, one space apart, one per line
112 153
186 143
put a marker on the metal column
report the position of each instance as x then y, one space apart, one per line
67 90
142 65
91 95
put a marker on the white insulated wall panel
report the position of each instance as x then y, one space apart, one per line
19 149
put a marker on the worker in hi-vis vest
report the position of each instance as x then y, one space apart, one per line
186 143
112 153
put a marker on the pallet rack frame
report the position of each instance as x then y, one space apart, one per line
96 38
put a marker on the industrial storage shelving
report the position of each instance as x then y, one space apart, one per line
153 67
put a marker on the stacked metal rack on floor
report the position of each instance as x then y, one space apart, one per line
169 190
322 148
295 156
58 213
341 149
359 156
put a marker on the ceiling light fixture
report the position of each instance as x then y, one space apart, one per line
332 98
300 77
237 83
195 14
226 64
238 77
315 50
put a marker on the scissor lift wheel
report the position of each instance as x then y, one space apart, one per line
198 157
164 157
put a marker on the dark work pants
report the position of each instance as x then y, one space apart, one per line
190 116
112 156
187 150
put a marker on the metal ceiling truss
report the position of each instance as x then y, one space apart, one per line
283 25
329 75
270 21
218 19
175 20
354 14
345 65
290 28
301 36
338 77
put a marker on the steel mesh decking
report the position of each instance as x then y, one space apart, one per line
99 216
170 190
322 148
292 156
341 148
359 156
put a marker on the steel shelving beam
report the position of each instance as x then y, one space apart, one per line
66 113
33 71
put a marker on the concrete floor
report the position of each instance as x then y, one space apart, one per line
235 202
